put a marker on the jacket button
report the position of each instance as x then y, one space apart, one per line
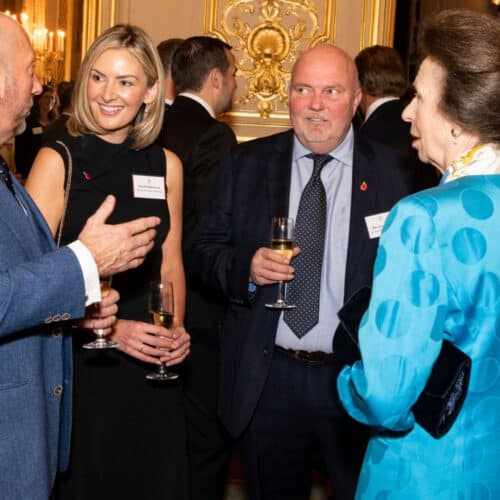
56 317
48 320
57 332
58 390
65 316
266 352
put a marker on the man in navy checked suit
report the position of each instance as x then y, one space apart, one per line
278 394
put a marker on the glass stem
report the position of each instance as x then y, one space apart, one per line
163 368
281 292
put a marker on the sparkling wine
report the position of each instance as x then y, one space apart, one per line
162 319
105 287
282 246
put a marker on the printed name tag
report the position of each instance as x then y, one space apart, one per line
37 130
375 223
148 186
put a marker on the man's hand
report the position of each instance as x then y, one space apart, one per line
103 314
269 267
119 247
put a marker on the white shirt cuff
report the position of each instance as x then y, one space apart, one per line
89 271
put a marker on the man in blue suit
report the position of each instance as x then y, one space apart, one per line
42 287
278 387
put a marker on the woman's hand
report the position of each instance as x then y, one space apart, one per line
101 315
180 347
148 342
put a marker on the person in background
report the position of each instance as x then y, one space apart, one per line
41 288
383 82
27 144
437 277
203 71
166 50
383 87
278 374
128 432
54 130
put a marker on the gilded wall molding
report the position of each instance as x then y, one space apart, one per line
98 15
267 36
377 23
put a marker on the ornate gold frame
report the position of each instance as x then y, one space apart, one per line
267 36
98 15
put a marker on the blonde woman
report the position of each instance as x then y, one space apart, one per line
128 433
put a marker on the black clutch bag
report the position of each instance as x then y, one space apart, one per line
439 403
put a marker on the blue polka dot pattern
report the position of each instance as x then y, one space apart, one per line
477 204
469 246
437 275
390 218
417 234
487 373
423 289
387 313
430 205
487 291
380 261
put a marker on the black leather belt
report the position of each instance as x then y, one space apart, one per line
314 357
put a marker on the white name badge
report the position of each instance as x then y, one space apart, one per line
37 130
149 186
375 223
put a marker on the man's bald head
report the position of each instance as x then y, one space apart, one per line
18 82
324 95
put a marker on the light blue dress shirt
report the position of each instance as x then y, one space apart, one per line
337 179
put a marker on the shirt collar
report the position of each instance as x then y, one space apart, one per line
200 101
342 153
377 103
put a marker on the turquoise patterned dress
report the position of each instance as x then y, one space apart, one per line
436 276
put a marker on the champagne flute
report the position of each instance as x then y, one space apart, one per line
101 342
161 308
282 242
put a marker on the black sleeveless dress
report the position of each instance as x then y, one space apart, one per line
128 437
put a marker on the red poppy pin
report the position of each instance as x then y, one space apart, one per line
363 186
86 175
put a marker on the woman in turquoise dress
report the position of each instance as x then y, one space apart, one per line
436 277
128 438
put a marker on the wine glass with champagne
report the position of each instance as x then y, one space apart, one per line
282 242
161 308
101 342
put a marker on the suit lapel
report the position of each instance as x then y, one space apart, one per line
278 176
27 228
364 202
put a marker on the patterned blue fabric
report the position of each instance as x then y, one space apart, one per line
437 275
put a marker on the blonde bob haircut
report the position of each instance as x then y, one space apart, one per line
149 119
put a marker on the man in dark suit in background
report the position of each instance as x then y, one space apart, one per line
203 71
278 373
166 50
383 85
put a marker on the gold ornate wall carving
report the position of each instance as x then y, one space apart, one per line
267 36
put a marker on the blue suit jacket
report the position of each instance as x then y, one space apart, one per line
39 287
254 187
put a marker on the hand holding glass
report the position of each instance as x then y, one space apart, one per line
282 242
161 308
101 342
